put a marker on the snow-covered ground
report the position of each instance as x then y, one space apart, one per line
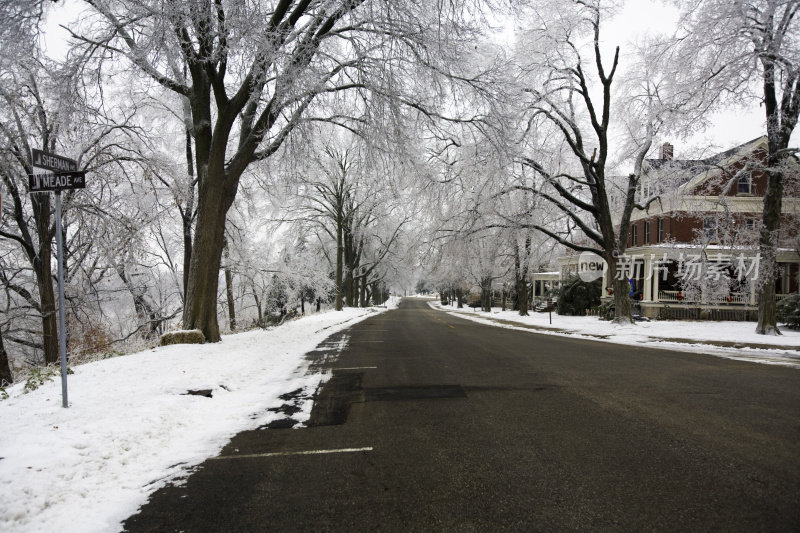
736 340
131 428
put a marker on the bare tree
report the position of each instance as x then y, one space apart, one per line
6 378
249 84
575 95
730 45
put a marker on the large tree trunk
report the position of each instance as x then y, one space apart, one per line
377 293
187 215
486 295
522 297
622 302
200 311
44 279
49 314
5 370
623 313
259 310
229 289
348 287
780 123
339 264
768 245
362 292
460 297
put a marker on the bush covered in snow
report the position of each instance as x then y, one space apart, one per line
788 311
576 296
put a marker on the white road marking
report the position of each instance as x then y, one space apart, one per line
282 454
356 342
356 368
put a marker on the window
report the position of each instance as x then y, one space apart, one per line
710 228
634 236
660 230
647 232
750 223
745 184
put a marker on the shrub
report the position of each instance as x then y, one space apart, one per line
606 310
788 311
38 376
665 313
576 296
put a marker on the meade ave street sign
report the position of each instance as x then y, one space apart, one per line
56 182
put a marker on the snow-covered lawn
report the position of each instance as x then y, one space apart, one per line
736 340
131 427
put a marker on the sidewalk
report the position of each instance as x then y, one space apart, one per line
733 340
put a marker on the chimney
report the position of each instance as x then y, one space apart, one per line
666 151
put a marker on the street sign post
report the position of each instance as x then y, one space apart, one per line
57 174
62 328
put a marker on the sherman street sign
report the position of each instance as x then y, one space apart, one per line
56 163
56 182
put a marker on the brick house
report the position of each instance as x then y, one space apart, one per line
694 252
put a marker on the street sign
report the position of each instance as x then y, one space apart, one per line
57 174
56 163
56 182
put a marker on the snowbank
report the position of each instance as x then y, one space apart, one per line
736 340
131 427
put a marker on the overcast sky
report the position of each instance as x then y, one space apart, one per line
731 128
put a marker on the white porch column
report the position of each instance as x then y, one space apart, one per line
656 279
603 291
647 273
785 278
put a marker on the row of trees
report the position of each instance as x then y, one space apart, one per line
573 118
193 120
306 149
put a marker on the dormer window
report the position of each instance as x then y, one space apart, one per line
745 184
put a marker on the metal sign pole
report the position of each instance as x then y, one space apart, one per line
60 174
62 330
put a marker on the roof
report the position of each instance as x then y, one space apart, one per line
697 166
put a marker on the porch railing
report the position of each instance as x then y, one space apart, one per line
736 298
672 296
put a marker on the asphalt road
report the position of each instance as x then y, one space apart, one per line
435 423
